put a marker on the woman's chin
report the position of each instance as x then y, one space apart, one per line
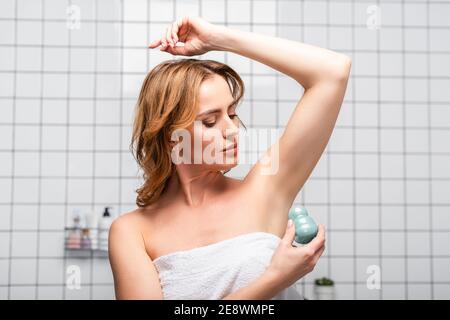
229 164
228 161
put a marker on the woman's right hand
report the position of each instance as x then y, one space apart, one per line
196 33
290 263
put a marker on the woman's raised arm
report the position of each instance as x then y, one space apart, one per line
324 75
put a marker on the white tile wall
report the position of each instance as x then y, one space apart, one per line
382 187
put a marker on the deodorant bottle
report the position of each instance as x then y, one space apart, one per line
305 226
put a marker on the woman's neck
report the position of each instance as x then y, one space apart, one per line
193 187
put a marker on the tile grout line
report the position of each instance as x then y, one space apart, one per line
11 216
40 176
430 182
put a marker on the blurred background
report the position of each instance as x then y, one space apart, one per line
70 73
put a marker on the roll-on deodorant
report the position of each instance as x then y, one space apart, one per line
305 226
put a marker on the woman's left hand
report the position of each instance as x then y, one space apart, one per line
196 34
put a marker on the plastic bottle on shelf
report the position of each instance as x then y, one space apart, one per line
74 236
103 230
85 239
92 225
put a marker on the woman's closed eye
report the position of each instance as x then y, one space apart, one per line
211 124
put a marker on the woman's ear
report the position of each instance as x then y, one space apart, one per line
172 144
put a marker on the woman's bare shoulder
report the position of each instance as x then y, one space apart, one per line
131 221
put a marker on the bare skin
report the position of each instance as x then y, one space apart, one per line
201 205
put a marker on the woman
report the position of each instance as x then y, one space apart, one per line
196 233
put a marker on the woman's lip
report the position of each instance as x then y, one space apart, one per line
234 146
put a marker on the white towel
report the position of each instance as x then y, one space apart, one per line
216 270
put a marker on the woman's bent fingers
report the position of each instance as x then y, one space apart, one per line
318 254
172 32
175 31
169 35
319 240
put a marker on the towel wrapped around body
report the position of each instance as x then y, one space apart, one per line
214 271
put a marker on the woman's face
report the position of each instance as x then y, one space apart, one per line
216 125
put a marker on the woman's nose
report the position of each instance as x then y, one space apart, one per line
231 131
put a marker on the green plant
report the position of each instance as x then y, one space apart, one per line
324 281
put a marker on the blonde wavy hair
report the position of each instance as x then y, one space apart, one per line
168 101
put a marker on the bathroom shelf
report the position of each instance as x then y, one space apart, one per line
85 253
74 247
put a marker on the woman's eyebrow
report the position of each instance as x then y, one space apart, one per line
214 110
209 111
